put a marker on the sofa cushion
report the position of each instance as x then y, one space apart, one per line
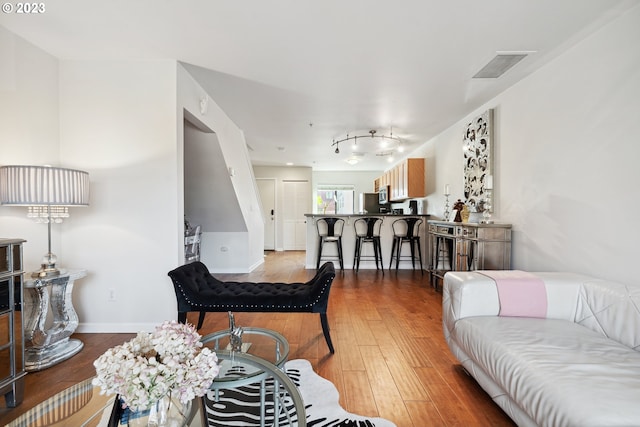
521 294
612 309
560 373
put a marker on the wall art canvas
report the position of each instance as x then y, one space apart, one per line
478 151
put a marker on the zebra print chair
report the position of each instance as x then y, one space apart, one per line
197 290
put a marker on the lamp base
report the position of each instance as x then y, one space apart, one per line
48 267
37 359
45 272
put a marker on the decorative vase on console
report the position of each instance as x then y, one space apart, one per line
465 214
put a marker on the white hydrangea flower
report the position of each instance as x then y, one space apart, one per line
148 367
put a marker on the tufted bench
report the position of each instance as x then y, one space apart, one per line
197 290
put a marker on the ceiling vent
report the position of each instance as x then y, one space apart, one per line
500 65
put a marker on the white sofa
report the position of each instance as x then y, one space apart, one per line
578 366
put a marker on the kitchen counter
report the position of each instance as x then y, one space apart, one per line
348 241
361 214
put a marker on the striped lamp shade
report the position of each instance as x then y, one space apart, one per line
43 185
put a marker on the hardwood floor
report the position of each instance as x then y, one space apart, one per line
391 359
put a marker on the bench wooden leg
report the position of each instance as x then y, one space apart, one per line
201 319
182 317
325 331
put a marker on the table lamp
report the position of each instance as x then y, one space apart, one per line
47 192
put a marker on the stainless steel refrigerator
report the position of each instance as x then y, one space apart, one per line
369 203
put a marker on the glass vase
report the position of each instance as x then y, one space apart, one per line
166 412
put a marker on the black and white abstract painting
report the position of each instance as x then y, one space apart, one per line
478 151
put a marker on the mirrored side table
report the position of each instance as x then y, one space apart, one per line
47 333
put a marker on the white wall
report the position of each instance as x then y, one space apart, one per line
565 160
115 120
29 133
118 122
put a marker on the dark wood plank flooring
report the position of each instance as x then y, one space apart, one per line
391 359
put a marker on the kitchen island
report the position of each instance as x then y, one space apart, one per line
349 242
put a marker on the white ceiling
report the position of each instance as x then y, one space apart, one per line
294 74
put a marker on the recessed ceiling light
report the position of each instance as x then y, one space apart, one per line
289 164
352 160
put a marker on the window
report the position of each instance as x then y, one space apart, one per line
335 199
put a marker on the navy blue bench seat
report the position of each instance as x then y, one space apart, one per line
197 290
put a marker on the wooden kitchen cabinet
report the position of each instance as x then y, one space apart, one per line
395 184
406 180
410 179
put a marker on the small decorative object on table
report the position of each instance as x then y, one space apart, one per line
458 207
465 214
235 334
447 193
486 212
158 374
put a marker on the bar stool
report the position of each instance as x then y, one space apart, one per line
367 231
406 230
330 231
443 253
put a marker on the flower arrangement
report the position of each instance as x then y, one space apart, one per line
169 360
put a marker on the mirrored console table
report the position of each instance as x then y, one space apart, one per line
457 246
48 343
11 331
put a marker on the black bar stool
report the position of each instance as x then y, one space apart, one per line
367 231
406 230
330 231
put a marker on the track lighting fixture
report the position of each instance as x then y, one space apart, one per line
372 135
387 145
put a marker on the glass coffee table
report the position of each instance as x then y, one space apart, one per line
265 344
261 363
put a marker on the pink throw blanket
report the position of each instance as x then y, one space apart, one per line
521 294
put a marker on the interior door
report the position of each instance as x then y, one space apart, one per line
297 199
267 189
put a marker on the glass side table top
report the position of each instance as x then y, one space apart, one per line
262 343
82 405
